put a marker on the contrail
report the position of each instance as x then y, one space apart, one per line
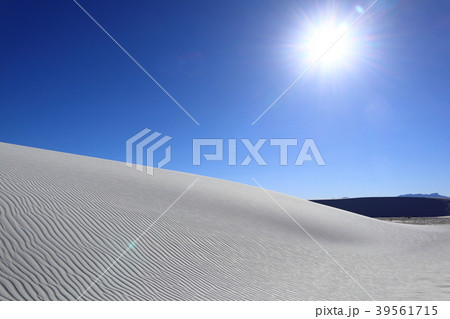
137 63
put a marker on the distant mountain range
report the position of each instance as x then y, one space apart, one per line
432 195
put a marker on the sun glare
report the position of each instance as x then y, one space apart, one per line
328 43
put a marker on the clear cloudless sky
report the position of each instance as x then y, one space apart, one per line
380 116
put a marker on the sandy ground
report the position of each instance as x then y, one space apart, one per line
441 220
74 227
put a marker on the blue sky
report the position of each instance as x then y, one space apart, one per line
379 116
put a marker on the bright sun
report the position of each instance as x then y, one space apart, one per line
329 43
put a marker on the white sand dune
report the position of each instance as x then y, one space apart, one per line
64 219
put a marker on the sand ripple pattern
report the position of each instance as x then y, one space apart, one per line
64 219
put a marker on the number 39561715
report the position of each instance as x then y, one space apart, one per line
406 310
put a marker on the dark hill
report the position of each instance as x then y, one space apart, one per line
392 206
432 195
